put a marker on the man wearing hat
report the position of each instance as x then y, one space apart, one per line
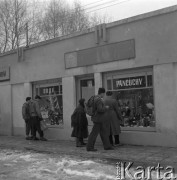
36 117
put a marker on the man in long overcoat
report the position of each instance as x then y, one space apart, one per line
115 117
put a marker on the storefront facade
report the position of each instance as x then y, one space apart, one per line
135 58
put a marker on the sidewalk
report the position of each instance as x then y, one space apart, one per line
139 155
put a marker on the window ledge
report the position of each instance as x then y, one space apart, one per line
148 129
61 126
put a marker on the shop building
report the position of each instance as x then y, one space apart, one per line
135 58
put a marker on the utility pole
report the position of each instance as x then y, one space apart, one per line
16 21
26 28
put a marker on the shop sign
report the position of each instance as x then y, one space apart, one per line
4 74
49 90
129 82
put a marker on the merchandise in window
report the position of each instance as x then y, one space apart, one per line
51 103
135 98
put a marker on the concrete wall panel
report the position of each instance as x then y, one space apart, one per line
18 99
5 110
165 105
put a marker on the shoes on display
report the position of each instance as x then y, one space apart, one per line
92 150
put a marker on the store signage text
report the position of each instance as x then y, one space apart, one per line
49 90
129 82
4 73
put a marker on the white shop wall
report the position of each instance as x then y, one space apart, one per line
17 101
5 110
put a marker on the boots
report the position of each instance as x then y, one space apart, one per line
82 141
79 142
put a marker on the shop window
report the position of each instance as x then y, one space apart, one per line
51 103
135 98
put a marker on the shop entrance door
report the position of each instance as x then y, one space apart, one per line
86 90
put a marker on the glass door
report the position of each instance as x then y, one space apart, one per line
86 89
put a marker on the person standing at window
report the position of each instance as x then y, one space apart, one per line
115 118
36 117
79 123
26 117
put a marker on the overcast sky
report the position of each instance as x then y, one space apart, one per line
120 9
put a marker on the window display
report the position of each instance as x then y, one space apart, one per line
51 103
134 94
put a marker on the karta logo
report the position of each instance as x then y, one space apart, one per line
127 171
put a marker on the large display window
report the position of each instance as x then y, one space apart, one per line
134 94
51 103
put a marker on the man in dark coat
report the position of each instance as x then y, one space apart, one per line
26 117
99 119
36 117
115 118
79 123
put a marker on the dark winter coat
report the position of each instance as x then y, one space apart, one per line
99 110
80 127
25 111
101 115
34 108
114 115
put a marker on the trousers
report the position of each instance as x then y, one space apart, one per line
36 127
28 127
98 128
116 137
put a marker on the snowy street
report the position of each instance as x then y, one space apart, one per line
23 165
61 160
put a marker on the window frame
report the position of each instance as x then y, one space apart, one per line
48 83
132 73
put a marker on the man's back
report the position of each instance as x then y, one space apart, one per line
25 111
99 109
34 108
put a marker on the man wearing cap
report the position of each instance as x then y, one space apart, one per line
36 117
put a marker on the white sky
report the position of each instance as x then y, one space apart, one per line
120 9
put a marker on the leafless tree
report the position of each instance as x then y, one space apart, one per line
32 30
96 19
12 21
24 22
61 19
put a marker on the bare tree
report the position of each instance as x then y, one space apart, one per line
32 30
61 19
78 19
55 15
12 20
24 22
96 19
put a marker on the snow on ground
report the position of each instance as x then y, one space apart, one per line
28 165
20 165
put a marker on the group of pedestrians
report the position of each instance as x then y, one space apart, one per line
32 117
106 120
